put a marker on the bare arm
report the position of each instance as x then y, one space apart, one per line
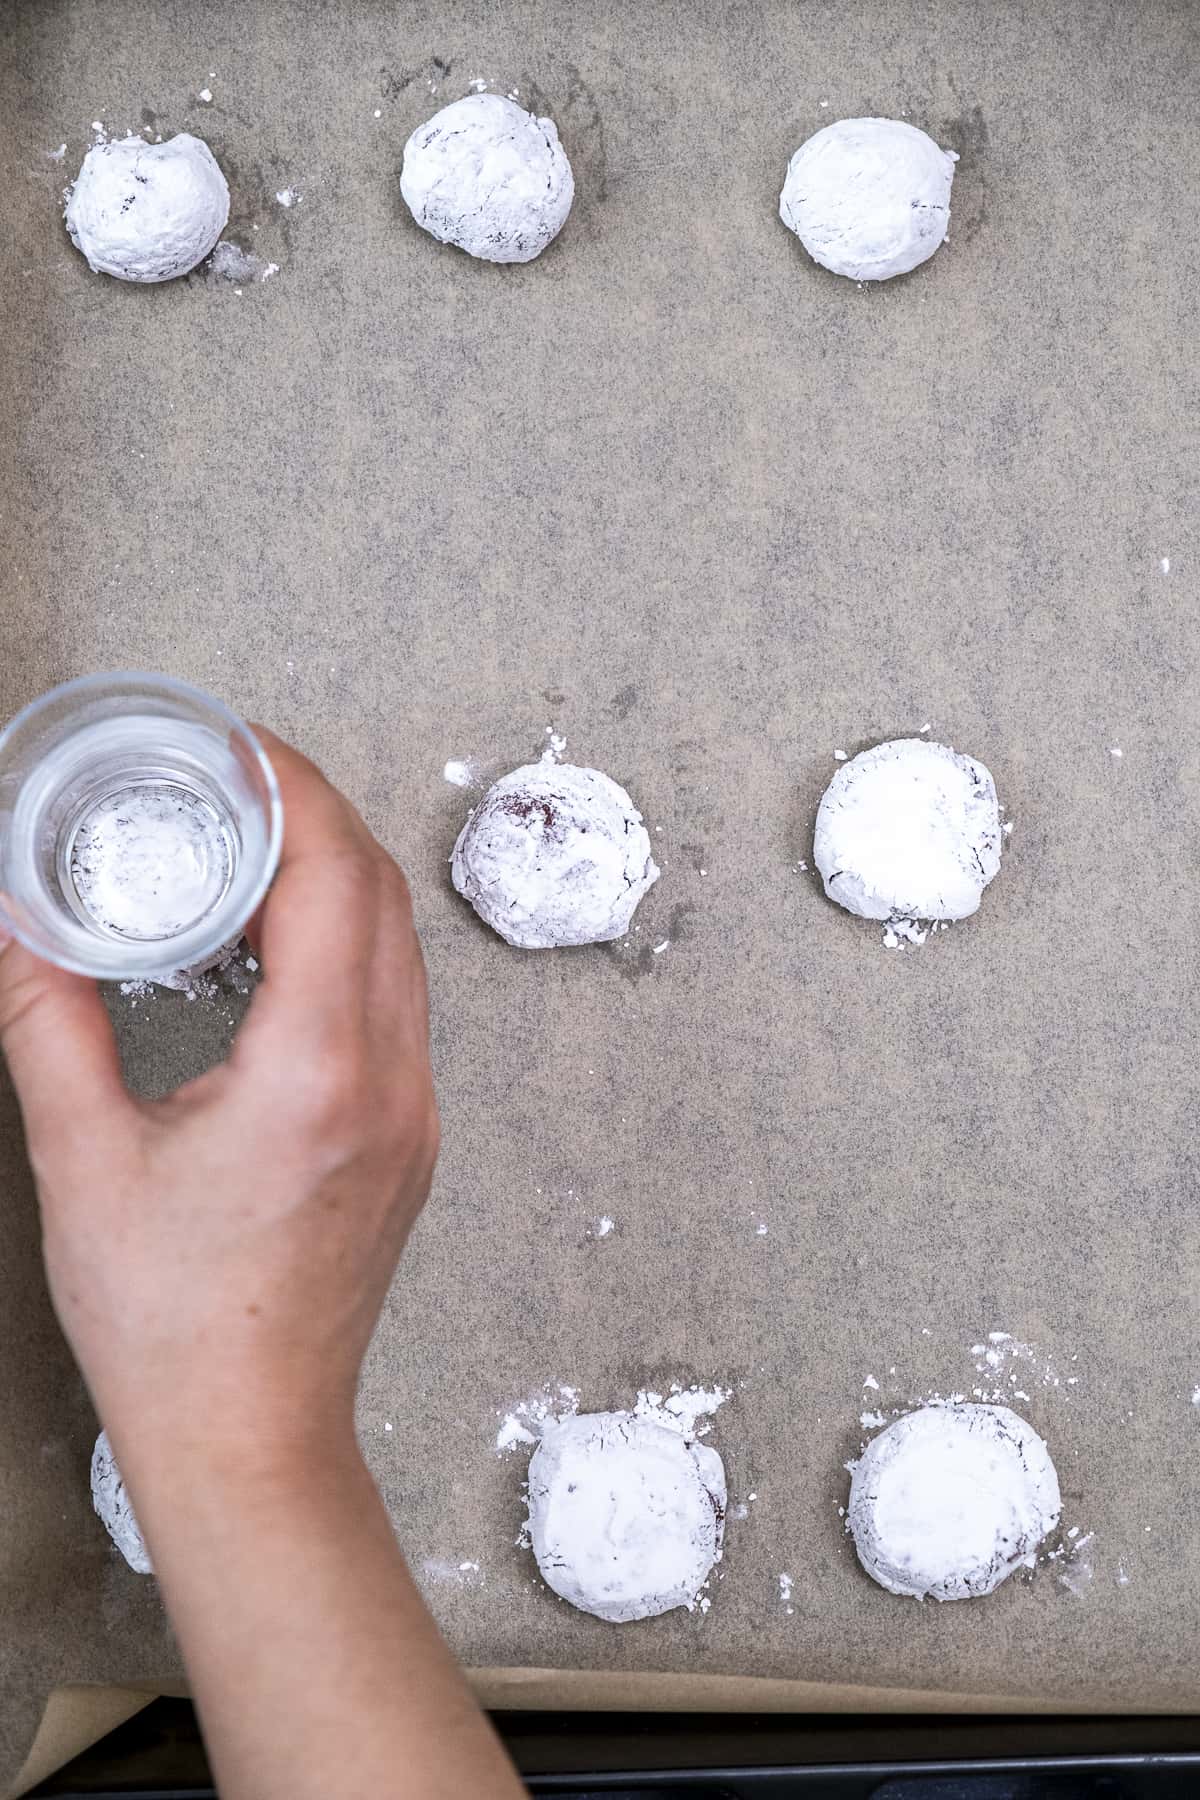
218 1260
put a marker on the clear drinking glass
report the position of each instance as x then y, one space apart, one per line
140 826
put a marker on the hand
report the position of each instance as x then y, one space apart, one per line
218 1258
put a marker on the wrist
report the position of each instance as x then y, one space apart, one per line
236 1465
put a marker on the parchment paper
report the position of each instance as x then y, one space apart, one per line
713 514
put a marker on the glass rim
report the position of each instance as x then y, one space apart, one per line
239 732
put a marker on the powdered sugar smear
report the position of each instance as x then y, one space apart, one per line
461 772
445 1571
230 262
1073 1560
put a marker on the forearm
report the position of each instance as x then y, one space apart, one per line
315 1666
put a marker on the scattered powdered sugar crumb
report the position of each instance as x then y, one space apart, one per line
1005 1358
604 1226
1164 563
523 1425
785 1594
682 1408
1122 1575
56 155
477 84
869 1381
658 949
760 1225
840 756
871 1421
1196 1396
679 1409
288 197
555 748
206 95
461 772
906 929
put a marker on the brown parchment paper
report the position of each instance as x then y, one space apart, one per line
713 514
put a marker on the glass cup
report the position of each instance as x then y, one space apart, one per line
140 826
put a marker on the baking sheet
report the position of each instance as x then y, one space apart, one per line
712 514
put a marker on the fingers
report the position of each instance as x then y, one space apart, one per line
335 925
59 1045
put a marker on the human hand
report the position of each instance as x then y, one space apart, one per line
218 1258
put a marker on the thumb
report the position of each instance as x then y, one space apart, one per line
59 1045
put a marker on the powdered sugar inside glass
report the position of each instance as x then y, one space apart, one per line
140 826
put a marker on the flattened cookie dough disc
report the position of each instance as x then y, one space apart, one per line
626 1516
950 1500
908 830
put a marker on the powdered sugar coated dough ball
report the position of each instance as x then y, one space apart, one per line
148 212
908 830
554 855
626 1516
869 198
112 1504
486 175
950 1500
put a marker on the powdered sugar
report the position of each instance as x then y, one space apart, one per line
151 860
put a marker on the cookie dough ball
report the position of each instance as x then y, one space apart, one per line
486 175
112 1504
908 830
869 198
626 1516
950 1500
148 212
554 855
